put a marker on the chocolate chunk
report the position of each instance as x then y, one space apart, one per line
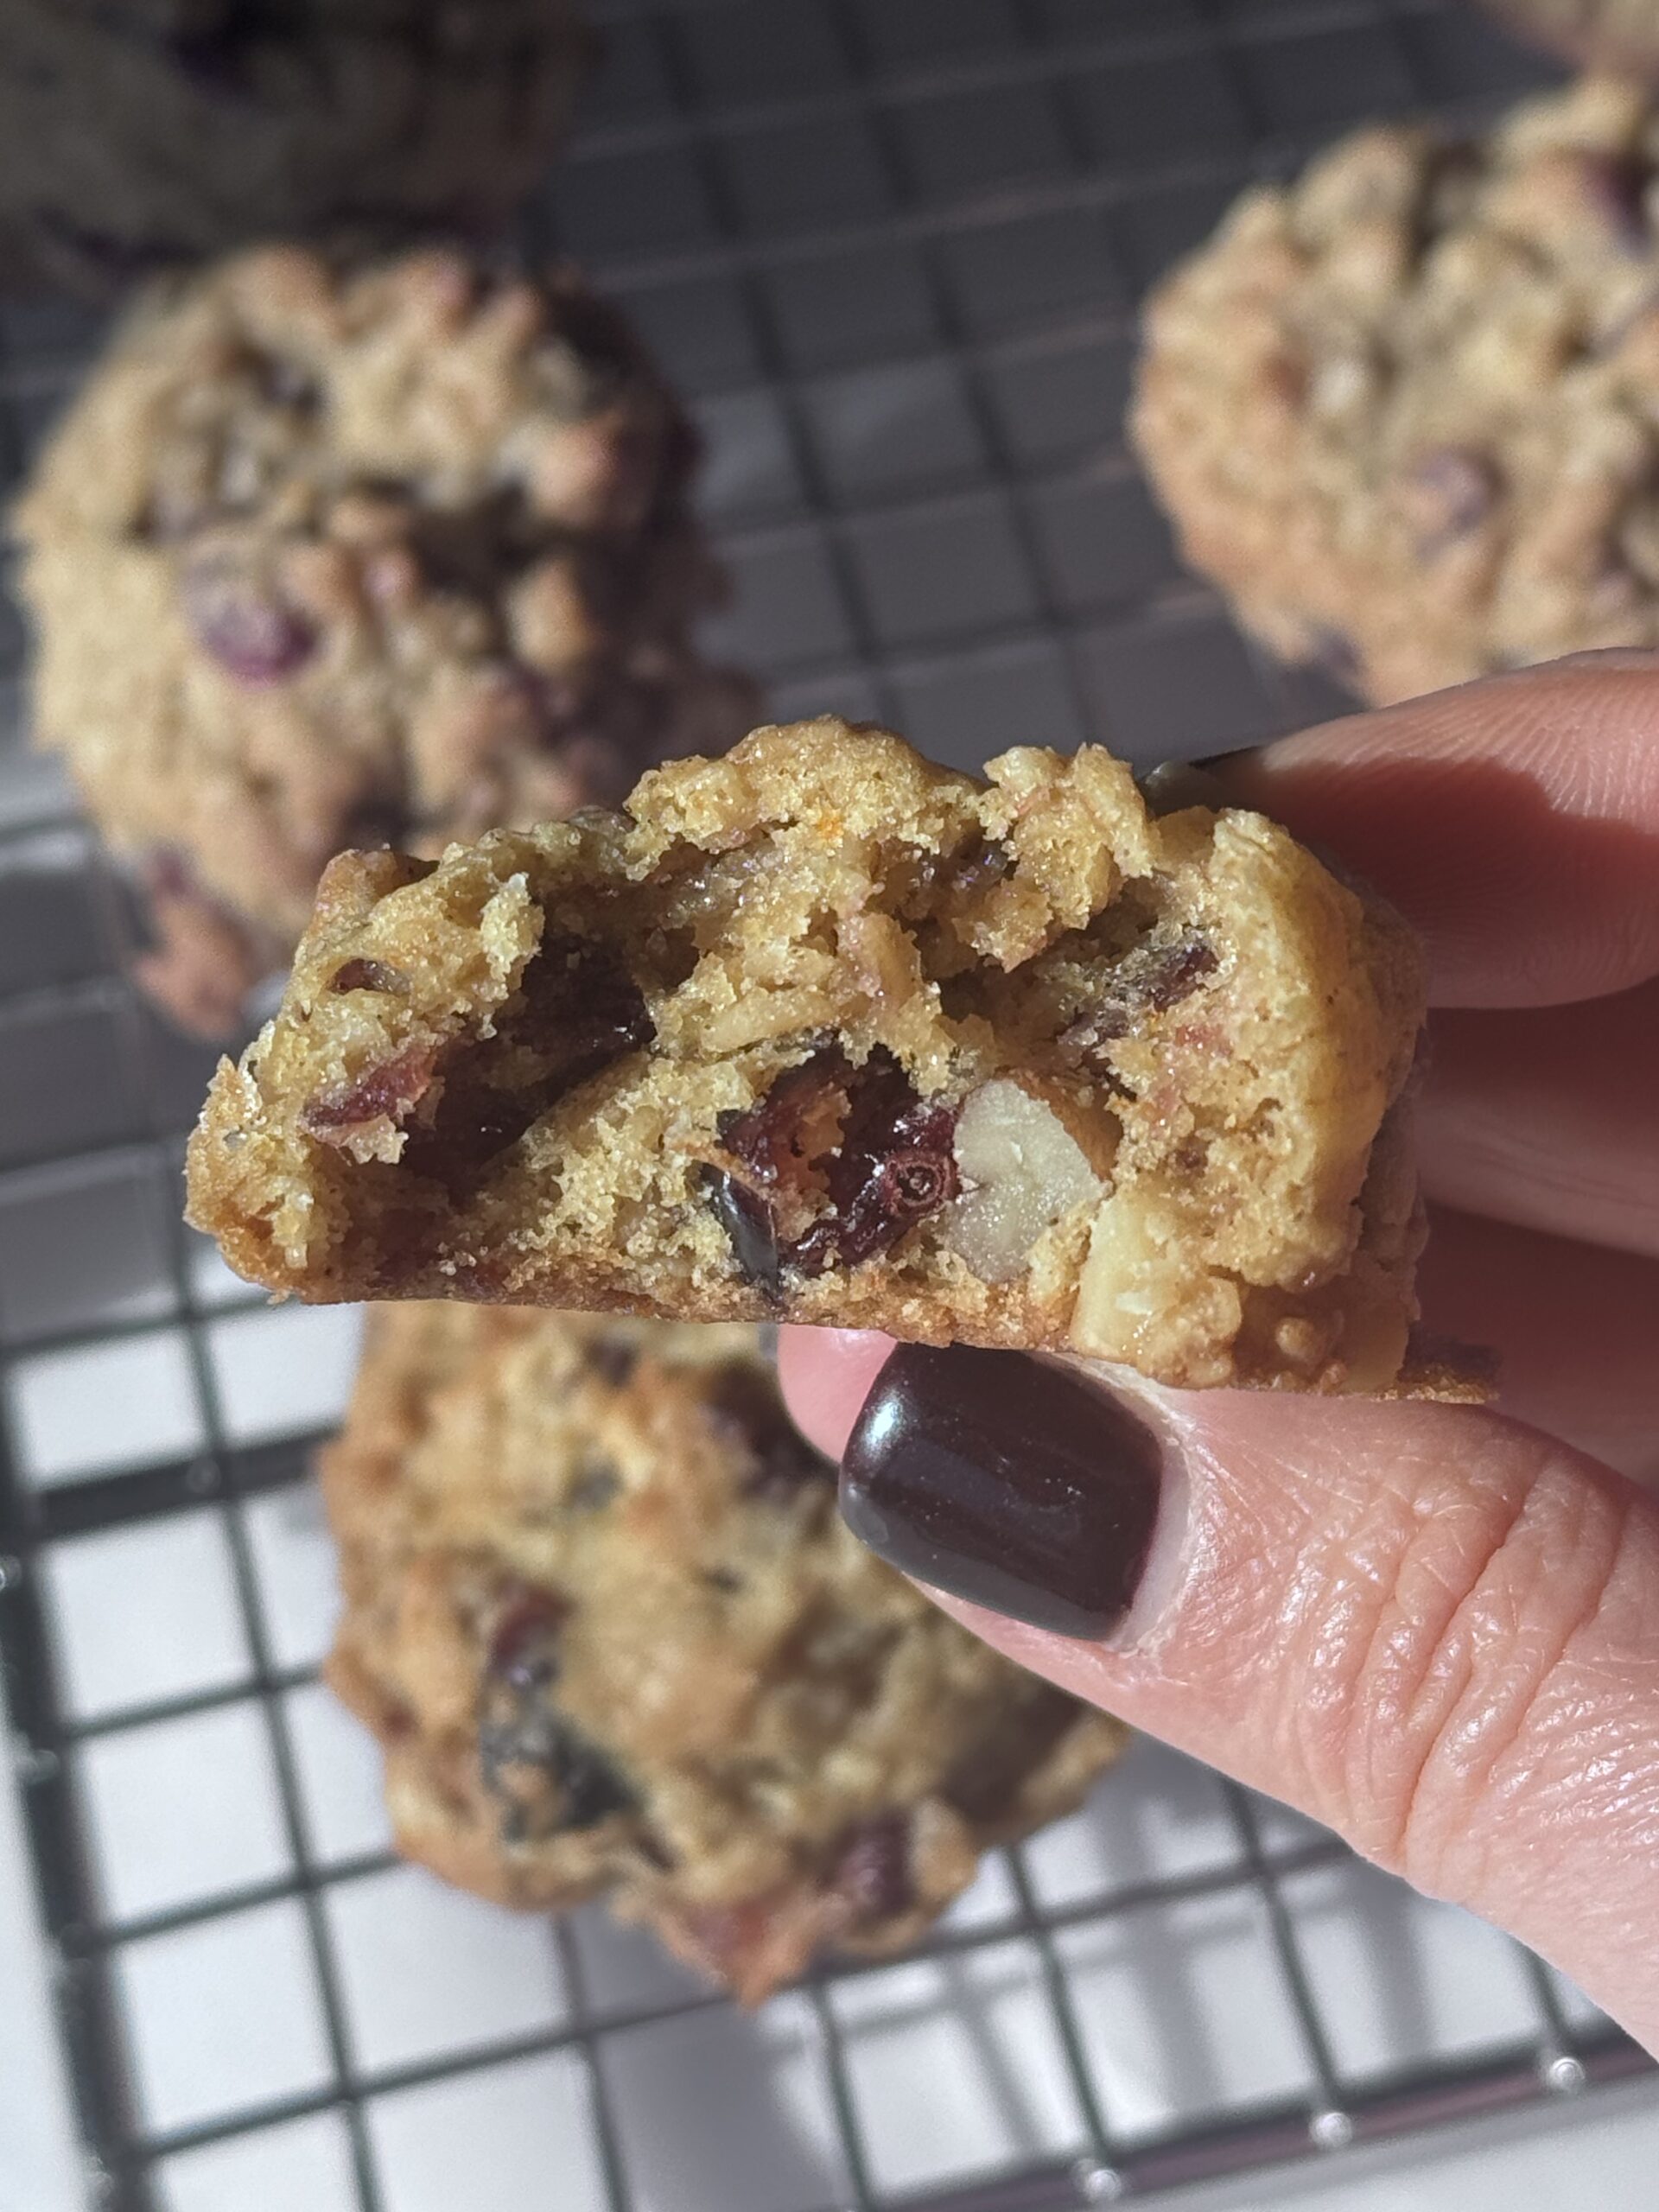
985 1782
750 1228
547 1775
581 1010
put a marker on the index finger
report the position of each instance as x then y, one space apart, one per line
1514 821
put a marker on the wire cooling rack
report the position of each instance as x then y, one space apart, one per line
890 249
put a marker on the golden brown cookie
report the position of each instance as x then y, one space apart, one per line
326 556
614 1639
821 1031
1402 410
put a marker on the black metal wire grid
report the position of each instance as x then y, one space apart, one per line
891 249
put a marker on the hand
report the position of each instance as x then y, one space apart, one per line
1435 1628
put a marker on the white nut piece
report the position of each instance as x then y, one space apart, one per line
1023 1171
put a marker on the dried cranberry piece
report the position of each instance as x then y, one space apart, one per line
750 1229
578 1009
873 1871
547 1775
896 1166
744 1403
1617 186
387 1090
889 1163
253 634
368 976
1447 492
581 1010
771 1139
1149 980
524 1640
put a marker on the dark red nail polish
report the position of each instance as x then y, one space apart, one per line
1006 1481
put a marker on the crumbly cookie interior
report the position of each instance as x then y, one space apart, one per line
821 1030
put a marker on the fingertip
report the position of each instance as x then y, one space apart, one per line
1514 821
826 1375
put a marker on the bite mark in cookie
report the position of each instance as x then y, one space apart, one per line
1136 1091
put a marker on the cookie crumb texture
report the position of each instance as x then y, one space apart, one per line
822 1031
327 556
612 1635
1401 410
135 133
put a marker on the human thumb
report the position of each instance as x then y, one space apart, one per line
1431 1627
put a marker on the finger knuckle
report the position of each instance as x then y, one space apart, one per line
1480 1589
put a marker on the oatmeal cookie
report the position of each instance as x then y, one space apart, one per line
824 1031
1620 35
135 133
613 1638
1404 410
326 555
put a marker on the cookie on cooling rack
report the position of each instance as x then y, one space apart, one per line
329 554
614 1637
1402 410
821 1031
135 133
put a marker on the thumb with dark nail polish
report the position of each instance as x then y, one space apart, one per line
1007 1481
1427 1625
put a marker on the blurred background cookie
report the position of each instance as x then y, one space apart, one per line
614 1637
324 557
1402 410
1617 35
135 133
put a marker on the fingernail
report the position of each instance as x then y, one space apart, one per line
1006 1481
1174 785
